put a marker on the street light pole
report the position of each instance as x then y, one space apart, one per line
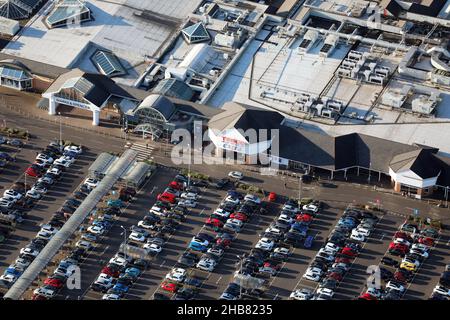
60 129
125 241
189 165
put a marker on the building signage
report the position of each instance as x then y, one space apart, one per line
233 145
73 103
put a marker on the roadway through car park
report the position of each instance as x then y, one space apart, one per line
44 208
109 244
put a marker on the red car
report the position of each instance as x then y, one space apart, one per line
56 283
398 276
426 241
274 266
398 246
32 172
335 275
111 272
166 197
342 260
38 297
176 185
214 222
349 252
304 217
403 235
223 242
239 216
272 197
169 286
367 296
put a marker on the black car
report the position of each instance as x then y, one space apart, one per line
233 289
185 294
160 296
141 264
222 183
306 178
199 183
329 284
389 262
79 195
385 274
193 282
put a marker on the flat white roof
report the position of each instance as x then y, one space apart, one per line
116 26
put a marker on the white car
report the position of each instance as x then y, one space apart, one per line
187 203
110 296
44 234
313 274
84 245
13 194
46 292
311 207
45 180
290 208
274 231
29 252
420 246
177 275
22 263
119 261
189 195
402 241
33 194
235 222
206 264
9 278
104 277
5 203
97 230
332 247
365 232
157 210
285 218
62 162
282 250
442 290
54 171
152 248
252 198
265 244
424 254
327 251
8 199
325 291
222 213
357 236
395 286
236 175
232 200
137 236
76 149
49 228
91 182
45 158
301 294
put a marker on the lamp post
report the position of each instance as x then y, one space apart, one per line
125 241
60 129
189 165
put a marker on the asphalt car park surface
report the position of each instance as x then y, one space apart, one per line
109 244
44 208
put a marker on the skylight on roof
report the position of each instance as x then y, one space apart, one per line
107 63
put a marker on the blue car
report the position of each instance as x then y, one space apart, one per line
120 288
308 242
192 282
197 247
133 272
300 227
235 194
13 271
114 203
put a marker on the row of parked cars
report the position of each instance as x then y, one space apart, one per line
149 235
335 257
442 289
89 237
409 248
18 194
5 157
206 249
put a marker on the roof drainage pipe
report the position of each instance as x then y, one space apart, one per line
53 246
